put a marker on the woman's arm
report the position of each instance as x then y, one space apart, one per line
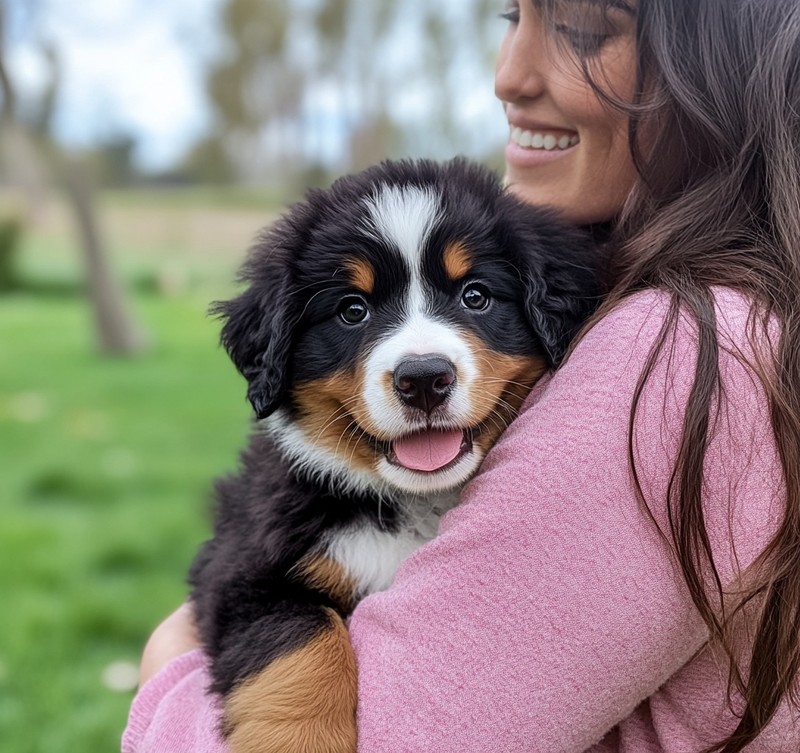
549 606
172 713
175 636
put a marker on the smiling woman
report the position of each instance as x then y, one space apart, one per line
568 147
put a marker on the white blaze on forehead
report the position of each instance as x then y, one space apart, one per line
417 335
404 216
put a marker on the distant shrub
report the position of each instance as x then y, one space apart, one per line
10 233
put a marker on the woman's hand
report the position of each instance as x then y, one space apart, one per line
176 635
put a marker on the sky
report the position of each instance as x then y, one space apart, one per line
127 66
136 67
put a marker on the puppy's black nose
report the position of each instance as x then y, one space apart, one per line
424 381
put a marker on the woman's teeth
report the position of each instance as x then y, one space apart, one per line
535 140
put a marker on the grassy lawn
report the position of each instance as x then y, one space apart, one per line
106 467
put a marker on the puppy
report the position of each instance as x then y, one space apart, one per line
391 328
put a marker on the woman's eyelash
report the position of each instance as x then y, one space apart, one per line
584 42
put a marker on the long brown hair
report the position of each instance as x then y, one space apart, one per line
715 135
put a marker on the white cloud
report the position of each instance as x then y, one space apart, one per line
140 83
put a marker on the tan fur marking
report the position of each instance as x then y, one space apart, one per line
504 383
304 702
328 576
362 276
457 261
328 411
387 382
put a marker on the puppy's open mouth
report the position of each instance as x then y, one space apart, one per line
430 450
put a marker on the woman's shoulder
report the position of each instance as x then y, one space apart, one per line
636 369
627 334
645 310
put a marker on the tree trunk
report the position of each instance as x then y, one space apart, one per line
117 332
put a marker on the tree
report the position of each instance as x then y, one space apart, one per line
306 82
37 155
252 90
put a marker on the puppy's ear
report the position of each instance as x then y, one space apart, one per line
258 330
258 337
555 313
560 267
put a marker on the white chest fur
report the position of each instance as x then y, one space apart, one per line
371 556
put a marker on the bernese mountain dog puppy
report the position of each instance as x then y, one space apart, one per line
391 328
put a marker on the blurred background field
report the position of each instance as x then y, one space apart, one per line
142 146
106 463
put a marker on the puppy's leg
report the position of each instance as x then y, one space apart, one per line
282 661
302 702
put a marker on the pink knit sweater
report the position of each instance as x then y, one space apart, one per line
549 615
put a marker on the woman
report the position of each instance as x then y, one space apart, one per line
623 575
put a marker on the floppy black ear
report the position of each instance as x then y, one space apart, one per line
560 266
259 324
258 337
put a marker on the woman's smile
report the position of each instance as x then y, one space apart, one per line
530 145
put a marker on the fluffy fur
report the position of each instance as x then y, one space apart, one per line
390 329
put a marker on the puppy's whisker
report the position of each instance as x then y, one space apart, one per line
354 437
504 404
484 400
347 434
308 303
337 415
509 382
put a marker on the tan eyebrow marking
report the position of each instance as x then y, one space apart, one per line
457 260
362 276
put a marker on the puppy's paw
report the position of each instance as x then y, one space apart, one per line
304 702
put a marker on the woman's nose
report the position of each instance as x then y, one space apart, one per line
521 63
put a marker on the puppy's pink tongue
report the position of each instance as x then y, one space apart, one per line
428 450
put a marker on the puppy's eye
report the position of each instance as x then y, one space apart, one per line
476 297
353 310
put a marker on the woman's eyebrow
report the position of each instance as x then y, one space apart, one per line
622 6
618 4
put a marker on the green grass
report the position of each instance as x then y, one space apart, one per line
106 468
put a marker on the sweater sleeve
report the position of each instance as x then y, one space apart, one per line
173 713
550 606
